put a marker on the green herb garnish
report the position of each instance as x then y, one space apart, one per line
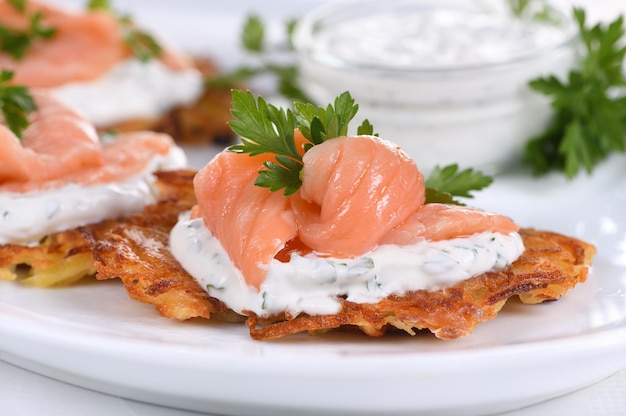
444 184
100 5
270 58
590 120
143 45
19 5
537 10
264 128
319 124
253 34
15 42
15 103
518 6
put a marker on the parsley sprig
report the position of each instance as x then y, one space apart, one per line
264 128
537 10
590 120
16 42
143 45
444 184
15 103
19 5
99 5
270 61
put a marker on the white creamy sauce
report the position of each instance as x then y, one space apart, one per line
311 284
434 38
132 90
27 217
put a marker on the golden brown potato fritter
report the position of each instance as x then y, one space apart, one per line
60 259
550 266
65 257
136 252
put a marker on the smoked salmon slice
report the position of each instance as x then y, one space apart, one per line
436 222
85 46
357 193
252 223
354 191
59 146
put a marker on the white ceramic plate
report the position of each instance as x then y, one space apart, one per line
92 335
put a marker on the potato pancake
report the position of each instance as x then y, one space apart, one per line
136 251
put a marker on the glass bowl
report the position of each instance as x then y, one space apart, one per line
447 80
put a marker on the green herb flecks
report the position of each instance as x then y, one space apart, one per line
444 184
15 103
16 42
270 61
590 119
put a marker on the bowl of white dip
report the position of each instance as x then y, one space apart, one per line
445 79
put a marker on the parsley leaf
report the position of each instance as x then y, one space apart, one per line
537 10
590 120
15 42
253 34
366 128
318 124
264 128
19 5
443 184
142 44
99 5
270 60
281 175
15 104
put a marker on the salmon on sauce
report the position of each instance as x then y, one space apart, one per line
357 193
354 190
84 47
252 223
59 146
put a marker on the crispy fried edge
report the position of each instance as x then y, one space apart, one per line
65 257
135 250
551 265
60 259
